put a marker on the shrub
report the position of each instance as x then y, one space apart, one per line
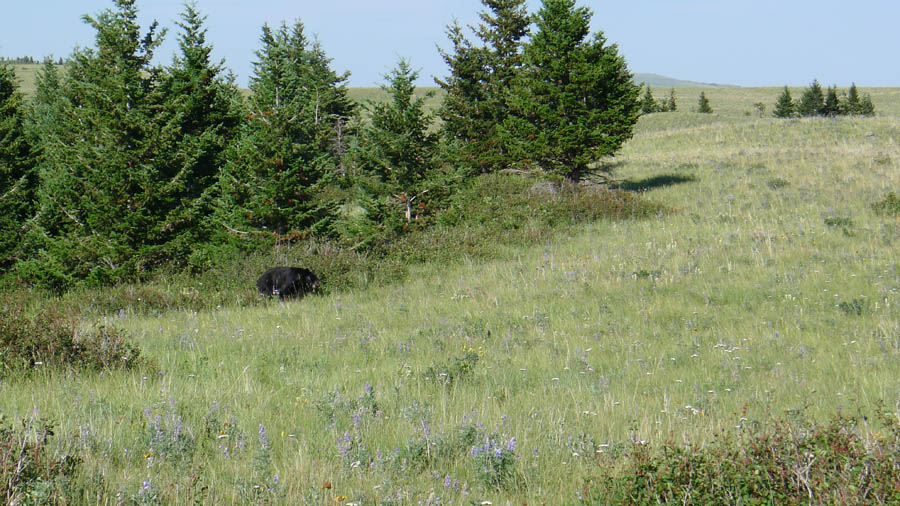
781 463
50 339
888 206
29 473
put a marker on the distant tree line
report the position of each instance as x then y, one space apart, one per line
23 60
650 105
118 166
818 102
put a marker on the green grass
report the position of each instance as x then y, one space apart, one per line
770 289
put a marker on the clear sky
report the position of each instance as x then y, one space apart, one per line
742 42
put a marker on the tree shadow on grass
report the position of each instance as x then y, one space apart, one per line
653 182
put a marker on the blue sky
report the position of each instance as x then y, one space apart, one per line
743 42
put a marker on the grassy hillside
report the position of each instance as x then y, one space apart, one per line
656 80
772 290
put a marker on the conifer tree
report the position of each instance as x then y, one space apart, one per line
866 106
858 105
648 104
400 149
575 101
703 104
17 172
271 179
852 105
477 89
671 105
832 106
101 186
784 107
812 102
204 110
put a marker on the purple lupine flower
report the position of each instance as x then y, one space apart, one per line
263 440
447 481
368 388
511 444
356 419
498 453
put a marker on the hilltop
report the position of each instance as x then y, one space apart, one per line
661 81
27 73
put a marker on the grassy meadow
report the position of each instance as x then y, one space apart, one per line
770 289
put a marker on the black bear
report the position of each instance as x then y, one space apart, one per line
288 282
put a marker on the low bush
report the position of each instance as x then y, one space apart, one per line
29 472
49 339
783 462
888 206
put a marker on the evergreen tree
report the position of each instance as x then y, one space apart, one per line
852 106
866 107
812 102
703 104
477 90
784 107
286 149
204 111
102 188
832 105
397 147
575 101
671 105
858 105
648 104
17 173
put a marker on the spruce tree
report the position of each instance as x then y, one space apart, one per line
285 152
852 106
101 188
866 106
671 105
832 105
477 90
812 102
203 109
784 107
648 104
575 101
17 172
398 148
703 104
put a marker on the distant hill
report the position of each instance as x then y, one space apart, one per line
658 81
26 74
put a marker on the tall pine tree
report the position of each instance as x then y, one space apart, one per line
398 147
575 101
784 107
17 172
477 90
102 188
204 109
269 186
648 103
812 102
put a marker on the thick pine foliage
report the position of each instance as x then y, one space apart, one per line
17 176
204 107
398 148
286 145
477 90
103 190
575 101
